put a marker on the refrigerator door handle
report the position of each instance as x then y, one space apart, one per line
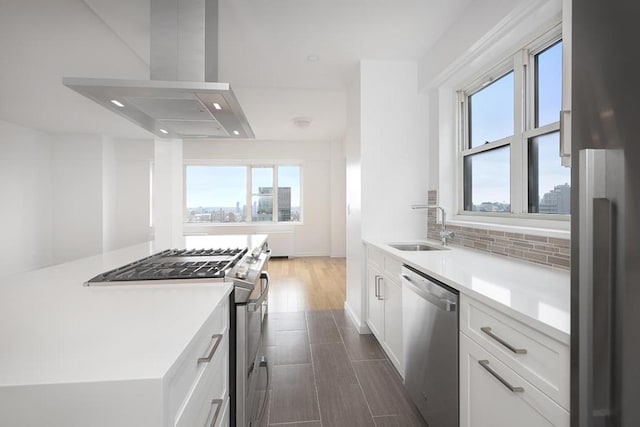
595 277
602 311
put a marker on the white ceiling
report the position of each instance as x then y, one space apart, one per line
264 45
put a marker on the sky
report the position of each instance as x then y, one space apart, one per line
224 186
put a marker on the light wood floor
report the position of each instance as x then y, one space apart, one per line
304 284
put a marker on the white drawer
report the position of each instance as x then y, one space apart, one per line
375 257
188 369
487 401
538 358
207 399
383 262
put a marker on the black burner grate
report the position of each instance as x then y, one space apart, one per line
176 264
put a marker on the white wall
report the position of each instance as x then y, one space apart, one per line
100 189
67 196
126 202
167 192
338 199
354 202
394 150
320 173
387 164
25 191
76 167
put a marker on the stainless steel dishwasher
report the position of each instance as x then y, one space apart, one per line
430 336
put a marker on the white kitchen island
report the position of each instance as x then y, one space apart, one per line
124 355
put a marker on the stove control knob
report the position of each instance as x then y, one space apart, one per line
241 273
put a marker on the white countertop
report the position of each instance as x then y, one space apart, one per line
536 295
55 330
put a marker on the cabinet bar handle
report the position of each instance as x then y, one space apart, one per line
375 286
487 330
485 365
207 359
380 288
218 403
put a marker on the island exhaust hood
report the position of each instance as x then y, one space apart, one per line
183 98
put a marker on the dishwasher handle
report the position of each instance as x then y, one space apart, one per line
444 304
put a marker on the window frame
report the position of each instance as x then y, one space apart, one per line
249 166
522 63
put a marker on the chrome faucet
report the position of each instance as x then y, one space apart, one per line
444 234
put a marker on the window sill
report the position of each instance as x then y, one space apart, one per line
559 227
194 225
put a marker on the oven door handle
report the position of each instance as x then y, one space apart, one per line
253 305
263 364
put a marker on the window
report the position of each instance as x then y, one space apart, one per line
509 157
491 112
238 194
548 181
261 194
289 193
486 161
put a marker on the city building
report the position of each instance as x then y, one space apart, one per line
556 201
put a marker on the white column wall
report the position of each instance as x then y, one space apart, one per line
77 196
387 165
167 192
338 199
109 193
126 186
352 142
25 191
394 148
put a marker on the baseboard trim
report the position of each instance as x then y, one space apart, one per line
361 327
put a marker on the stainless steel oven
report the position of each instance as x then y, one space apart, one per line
249 308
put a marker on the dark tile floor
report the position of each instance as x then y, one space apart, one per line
325 374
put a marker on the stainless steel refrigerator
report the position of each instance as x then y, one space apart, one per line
605 229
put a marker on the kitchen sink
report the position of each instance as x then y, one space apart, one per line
415 247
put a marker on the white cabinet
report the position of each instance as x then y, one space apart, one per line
375 303
181 396
541 360
392 295
205 402
384 303
487 401
510 373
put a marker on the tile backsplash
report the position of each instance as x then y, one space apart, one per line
549 251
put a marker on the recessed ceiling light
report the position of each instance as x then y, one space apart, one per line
302 122
117 103
164 131
313 58
217 106
235 132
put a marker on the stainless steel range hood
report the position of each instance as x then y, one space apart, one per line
183 98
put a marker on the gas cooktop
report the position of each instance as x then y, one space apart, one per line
173 264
